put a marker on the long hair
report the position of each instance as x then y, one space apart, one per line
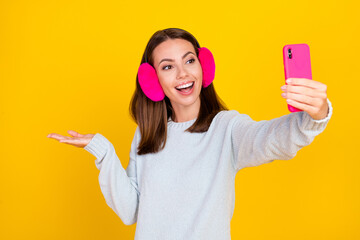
152 117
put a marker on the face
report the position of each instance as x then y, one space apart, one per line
177 66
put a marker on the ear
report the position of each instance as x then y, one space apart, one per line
149 82
208 66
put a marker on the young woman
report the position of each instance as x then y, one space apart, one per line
188 147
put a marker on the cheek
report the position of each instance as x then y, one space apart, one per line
199 71
164 77
165 84
199 76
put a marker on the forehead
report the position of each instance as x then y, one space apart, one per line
172 48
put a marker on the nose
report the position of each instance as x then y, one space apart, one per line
181 73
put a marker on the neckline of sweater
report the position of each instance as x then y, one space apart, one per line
186 124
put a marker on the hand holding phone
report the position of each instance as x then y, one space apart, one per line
296 64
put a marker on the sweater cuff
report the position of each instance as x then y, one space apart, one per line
97 146
319 124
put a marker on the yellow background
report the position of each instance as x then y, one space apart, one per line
72 65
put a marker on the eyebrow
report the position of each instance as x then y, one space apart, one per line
171 60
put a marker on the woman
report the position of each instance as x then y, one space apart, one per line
188 147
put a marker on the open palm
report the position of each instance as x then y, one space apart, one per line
77 139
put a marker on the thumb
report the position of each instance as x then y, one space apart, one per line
75 134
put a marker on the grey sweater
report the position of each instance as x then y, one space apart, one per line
187 190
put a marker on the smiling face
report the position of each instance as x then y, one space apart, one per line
177 66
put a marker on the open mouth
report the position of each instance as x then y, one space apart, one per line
186 88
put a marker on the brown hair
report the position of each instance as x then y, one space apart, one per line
152 117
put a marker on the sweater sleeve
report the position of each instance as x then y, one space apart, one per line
255 143
119 186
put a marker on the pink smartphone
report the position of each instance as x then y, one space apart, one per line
297 64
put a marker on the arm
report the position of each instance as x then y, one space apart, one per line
118 186
255 143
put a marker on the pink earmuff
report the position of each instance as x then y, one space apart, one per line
150 84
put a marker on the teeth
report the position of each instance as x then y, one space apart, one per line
185 85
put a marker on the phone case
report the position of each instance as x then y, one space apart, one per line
296 64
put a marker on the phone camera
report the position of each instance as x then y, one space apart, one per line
289 53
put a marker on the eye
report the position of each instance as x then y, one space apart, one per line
165 67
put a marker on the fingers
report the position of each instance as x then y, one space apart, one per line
75 142
307 95
78 140
311 92
55 136
61 137
306 82
304 99
300 105
307 88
